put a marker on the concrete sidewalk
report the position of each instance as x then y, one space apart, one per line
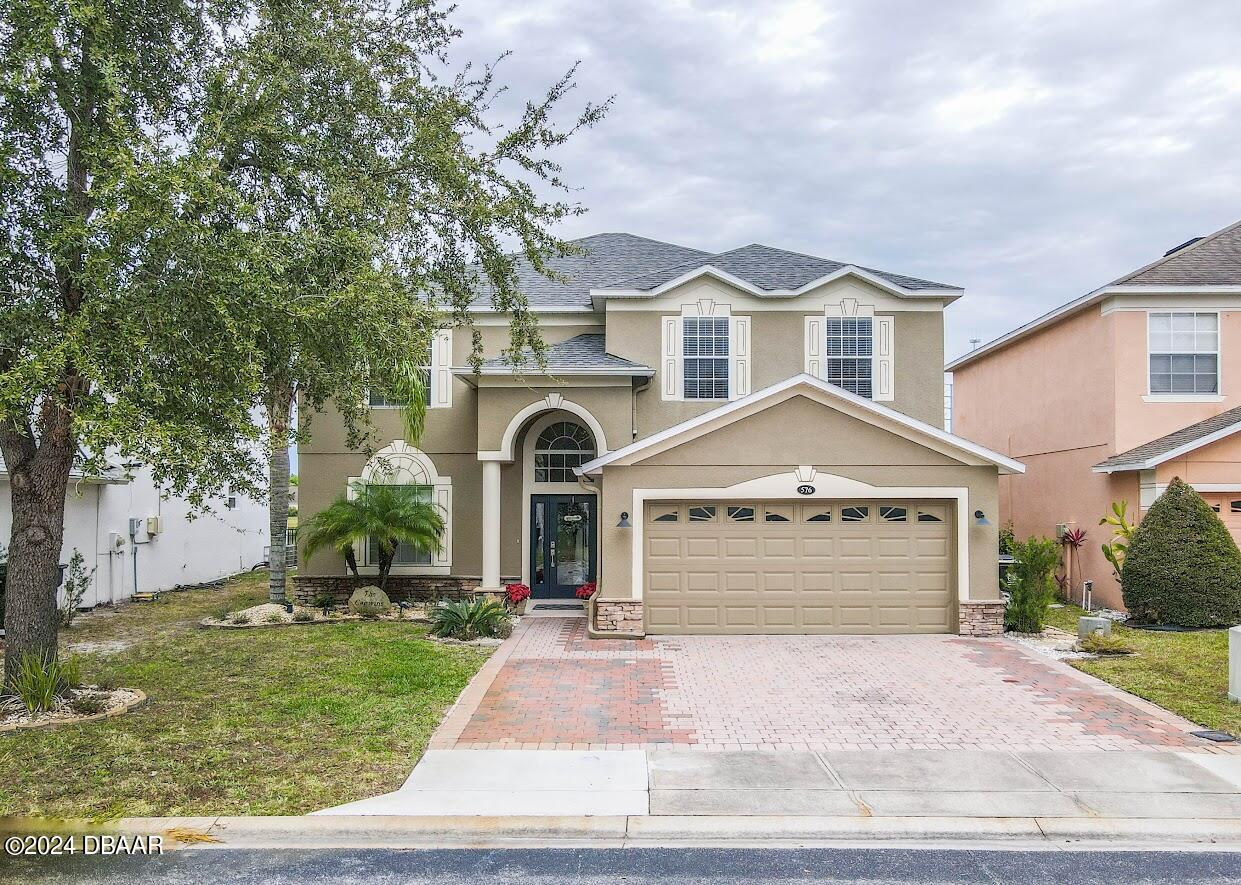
845 784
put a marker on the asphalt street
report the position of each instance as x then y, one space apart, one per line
634 866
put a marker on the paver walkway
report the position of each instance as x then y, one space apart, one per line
550 687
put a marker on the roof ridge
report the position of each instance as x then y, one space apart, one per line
1179 253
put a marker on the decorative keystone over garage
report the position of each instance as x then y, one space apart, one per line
802 508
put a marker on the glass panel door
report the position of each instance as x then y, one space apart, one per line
573 542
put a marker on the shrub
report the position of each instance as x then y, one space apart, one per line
1099 644
77 579
241 619
1031 584
369 602
467 619
274 618
1182 566
587 590
85 705
326 600
106 682
40 682
1122 534
302 617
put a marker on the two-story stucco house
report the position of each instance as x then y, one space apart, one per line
1111 395
743 442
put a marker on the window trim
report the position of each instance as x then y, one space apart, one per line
1172 397
672 351
439 374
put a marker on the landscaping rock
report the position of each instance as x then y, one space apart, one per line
369 602
1087 625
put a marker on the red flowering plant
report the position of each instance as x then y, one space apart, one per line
516 594
587 590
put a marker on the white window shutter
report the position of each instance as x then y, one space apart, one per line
443 498
815 343
739 345
670 358
440 394
883 377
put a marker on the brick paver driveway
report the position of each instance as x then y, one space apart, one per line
550 687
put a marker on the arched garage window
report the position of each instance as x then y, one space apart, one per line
559 448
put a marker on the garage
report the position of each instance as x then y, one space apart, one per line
846 566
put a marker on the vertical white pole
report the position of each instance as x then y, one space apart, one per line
491 525
1234 664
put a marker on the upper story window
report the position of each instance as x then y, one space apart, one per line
559 448
1183 353
705 347
380 400
850 350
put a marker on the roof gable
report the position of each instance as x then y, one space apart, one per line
829 395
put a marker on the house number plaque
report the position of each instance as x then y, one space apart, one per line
805 490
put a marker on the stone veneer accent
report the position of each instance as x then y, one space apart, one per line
982 618
619 616
410 588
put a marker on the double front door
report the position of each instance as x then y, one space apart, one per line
562 544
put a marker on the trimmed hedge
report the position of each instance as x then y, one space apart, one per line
1182 568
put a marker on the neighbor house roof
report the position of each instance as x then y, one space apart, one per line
859 407
627 264
1211 263
1175 444
583 354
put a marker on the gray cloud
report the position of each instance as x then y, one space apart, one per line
1027 151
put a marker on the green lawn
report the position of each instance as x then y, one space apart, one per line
1186 673
281 720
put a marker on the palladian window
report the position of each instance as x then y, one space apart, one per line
559 448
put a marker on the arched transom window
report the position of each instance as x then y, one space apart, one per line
559 448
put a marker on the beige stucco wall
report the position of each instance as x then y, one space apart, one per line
1218 463
777 333
777 440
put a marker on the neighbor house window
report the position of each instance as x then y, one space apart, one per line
705 343
1184 353
850 349
381 400
406 554
559 448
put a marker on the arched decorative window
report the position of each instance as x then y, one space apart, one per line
400 464
559 448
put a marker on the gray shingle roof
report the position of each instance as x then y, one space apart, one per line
1136 458
769 268
607 257
1212 261
625 261
581 352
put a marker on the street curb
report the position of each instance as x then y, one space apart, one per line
398 832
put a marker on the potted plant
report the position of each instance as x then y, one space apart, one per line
586 591
517 596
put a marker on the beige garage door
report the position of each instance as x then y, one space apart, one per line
792 567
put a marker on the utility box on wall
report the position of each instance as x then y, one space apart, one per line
155 525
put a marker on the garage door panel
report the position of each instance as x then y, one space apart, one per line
702 548
740 548
728 575
778 548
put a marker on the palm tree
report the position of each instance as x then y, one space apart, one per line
388 515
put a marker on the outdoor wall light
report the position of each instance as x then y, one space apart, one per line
980 518
624 520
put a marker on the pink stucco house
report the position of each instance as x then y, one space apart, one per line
1108 397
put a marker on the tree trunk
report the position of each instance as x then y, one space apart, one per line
279 406
38 478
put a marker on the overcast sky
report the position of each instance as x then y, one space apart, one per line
1028 151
